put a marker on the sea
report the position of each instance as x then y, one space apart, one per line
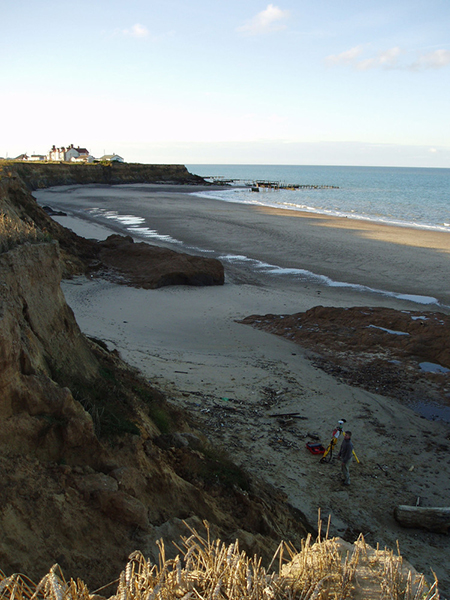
410 197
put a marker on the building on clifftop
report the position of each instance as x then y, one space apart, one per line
68 154
111 158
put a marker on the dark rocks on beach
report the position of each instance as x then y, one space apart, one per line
379 349
54 213
147 266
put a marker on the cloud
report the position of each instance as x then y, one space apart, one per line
344 58
269 20
137 31
432 60
388 59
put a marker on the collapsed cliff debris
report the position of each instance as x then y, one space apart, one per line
402 354
142 265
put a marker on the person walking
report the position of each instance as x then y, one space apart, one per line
345 456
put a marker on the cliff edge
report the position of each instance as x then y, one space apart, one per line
43 175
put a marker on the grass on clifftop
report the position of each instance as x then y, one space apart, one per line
210 569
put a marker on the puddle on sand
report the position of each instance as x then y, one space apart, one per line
433 368
432 412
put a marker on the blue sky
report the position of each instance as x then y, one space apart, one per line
289 82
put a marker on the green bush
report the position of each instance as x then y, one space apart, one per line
157 412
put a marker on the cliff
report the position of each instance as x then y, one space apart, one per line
94 462
43 175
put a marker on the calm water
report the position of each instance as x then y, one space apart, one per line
414 197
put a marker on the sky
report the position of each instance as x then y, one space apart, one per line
329 82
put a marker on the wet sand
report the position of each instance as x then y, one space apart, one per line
396 259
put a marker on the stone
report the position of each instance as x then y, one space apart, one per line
96 482
122 507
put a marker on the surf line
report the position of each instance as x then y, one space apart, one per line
305 275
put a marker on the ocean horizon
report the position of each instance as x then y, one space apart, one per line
403 196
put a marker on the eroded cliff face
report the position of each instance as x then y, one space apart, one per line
94 463
86 481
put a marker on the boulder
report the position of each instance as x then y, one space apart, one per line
120 506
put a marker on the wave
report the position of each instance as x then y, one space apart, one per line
305 275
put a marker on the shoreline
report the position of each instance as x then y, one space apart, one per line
234 378
306 249
328 214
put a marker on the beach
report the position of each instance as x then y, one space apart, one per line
234 379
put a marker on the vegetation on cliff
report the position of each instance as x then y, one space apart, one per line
207 568
15 232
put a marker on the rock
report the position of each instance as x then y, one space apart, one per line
179 440
54 213
130 480
172 531
97 482
122 507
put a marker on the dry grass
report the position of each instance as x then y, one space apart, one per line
14 232
211 570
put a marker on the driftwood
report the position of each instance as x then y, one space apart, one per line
433 518
294 415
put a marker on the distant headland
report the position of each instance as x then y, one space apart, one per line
40 174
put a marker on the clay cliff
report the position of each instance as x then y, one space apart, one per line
94 462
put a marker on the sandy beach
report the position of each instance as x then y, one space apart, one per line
235 378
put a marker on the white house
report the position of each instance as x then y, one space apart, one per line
67 154
82 159
111 158
56 154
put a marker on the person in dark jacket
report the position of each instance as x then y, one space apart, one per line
345 456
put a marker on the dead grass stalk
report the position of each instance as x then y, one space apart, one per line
205 569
